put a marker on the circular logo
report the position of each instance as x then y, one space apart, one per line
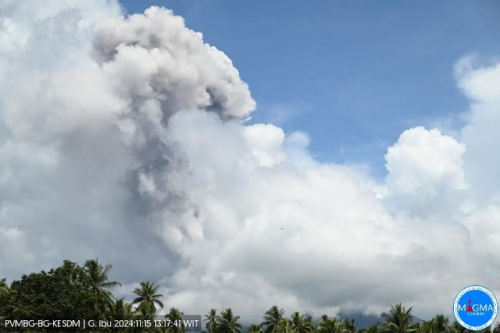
475 308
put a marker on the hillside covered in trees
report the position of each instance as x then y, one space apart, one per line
73 292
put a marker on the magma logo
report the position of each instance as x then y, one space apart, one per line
475 308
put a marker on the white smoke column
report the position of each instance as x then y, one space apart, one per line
84 107
154 59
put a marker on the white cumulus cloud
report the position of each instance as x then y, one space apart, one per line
425 174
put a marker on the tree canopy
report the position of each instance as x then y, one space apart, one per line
73 292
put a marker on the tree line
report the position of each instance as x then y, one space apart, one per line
73 292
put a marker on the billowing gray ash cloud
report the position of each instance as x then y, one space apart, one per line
87 98
123 138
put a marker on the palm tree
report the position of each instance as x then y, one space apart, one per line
285 326
426 327
121 310
309 322
4 286
175 318
145 313
211 321
348 325
300 324
5 306
441 323
228 323
371 329
322 323
255 329
148 298
398 320
327 325
273 318
97 277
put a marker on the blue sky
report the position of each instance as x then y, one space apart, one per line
352 74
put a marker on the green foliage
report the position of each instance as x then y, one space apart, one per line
440 323
255 329
4 287
72 292
330 325
398 320
62 293
174 315
372 329
120 310
96 277
211 321
285 326
272 319
5 300
301 324
228 323
148 298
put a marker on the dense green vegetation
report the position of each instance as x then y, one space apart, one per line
72 292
